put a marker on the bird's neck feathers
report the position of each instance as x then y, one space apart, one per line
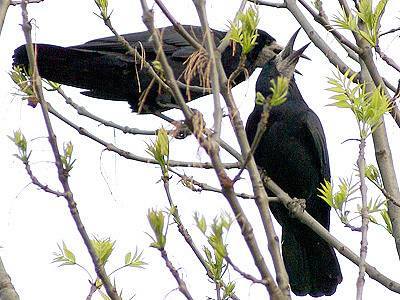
293 94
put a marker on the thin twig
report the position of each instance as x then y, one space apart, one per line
197 186
84 112
269 3
178 27
386 58
210 46
389 31
243 274
42 186
19 2
181 283
185 233
126 154
62 174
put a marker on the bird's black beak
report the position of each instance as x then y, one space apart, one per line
288 58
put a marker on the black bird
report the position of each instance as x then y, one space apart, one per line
293 152
105 70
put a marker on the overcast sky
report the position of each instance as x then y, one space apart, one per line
114 194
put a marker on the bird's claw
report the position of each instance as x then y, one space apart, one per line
296 206
181 130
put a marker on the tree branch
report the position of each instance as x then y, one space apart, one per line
208 143
308 220
62 174
4 5
7 290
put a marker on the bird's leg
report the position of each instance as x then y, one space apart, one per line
296 205
181 130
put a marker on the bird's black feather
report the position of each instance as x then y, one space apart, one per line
104 70
293 152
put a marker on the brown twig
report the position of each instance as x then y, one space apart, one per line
62 174
181 283
386 58
197 186
19 2
185 233
111 147
178 27
243 274
269 3
84 112
42 186
210 46
389 31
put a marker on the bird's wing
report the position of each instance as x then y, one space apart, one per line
315 131
174 44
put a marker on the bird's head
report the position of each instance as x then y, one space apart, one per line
265 50
284 64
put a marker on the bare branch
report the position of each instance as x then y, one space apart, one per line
387 59
269 3
19 2
196 186
84 112
111 147
389 31
181 283
185 233
42 186
178 27
210 46
243 274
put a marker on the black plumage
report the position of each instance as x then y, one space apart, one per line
293 152
103 68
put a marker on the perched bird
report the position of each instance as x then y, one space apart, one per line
105 70
293 152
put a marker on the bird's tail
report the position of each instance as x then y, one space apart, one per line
311 264
86 69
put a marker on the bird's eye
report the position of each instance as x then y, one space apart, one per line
277 50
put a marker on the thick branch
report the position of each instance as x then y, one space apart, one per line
7 290
4 5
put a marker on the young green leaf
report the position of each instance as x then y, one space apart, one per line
103 248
